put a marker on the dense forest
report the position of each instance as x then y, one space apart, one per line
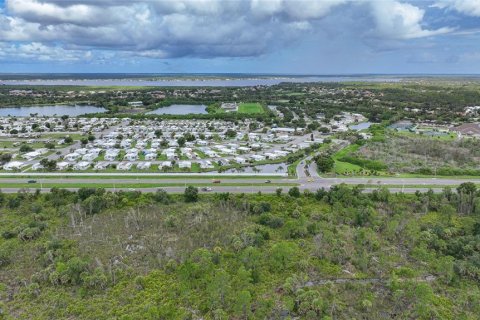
338 254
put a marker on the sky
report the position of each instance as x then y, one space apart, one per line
240 36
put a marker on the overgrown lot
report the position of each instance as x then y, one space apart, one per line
340 254
410 153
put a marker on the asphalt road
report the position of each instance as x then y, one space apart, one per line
257 184
220 189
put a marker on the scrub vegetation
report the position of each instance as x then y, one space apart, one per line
409 153
338 254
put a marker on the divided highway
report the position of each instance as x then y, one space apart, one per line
307 179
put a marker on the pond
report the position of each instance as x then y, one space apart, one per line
58 110
263 168
361 126
181 109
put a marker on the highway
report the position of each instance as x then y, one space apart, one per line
245 185
220 189
307 179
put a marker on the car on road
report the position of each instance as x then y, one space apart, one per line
268 181
206 189
310 180
216 181
32 181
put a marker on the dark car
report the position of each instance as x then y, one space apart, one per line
32 181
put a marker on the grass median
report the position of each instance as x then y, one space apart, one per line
140 177
137 185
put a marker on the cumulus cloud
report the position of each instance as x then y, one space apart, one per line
38 51
161 29
467 7
397 20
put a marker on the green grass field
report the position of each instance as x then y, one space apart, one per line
49 185
250 108
141 177
344 167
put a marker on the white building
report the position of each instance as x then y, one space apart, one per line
185 164
37 166
82 165
89 157
111 155
165 164
124 166
144 165
131 157
14 165
62 165
71 157
101 165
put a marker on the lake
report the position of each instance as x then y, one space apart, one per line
361 126
181 109
196 82
58 110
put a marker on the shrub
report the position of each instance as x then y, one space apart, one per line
191 194
271 220
29 234
294 192
161 196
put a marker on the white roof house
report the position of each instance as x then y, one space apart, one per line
206 164
124 166
82 165
37 166
165 164
101 165
244 149
184 164
89 157
72 157
150 156
82 151
257 157
62 165
31 155
111 155
144 165
240 160
131 157
272 156
14 165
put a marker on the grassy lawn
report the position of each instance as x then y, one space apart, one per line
412 186
200 153
141 177
35 145
250 108
444 137
344 167
292 168
135 185
74 136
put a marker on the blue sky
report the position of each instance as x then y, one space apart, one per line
249 36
